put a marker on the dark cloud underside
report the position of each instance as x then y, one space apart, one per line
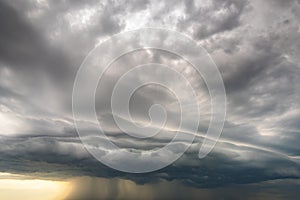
256 45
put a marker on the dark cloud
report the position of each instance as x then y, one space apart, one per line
255 44
24 48
64 156
88 188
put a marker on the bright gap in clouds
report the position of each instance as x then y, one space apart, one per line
21 187
10 124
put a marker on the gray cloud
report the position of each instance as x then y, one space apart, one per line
255 44
119 189
216 17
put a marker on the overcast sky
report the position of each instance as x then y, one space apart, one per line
255 44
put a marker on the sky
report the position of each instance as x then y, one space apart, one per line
255 45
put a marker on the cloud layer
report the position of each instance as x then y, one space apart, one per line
254 43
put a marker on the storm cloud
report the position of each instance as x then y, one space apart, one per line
255 44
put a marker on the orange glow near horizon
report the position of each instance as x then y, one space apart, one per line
15 187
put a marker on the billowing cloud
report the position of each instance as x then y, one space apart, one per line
254 43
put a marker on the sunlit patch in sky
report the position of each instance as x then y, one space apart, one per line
14 186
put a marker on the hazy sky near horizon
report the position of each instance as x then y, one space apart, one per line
255 44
